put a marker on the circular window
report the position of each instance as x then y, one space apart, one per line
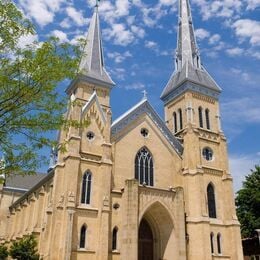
90 136
207 154
144 132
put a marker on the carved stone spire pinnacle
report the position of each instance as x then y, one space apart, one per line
187 50
92 63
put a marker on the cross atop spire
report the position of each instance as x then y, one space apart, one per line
92 63
187 50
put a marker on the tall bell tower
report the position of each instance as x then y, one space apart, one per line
191 103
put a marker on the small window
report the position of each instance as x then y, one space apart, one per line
82 241
200 117
90 136
114 238
212 242
207 154
211 201
86 188
175 122
180 118
207 119
219 243
144 132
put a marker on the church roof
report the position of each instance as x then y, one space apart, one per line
22 183
188 73
92 62
144 107
188 63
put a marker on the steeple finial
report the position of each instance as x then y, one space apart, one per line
187 50
92 63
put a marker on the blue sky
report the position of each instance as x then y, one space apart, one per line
139 38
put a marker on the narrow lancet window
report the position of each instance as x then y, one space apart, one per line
114 238
207 119
144 167
200 117
211 201
175 122
86 188
212 242
82 240
219 243
180 118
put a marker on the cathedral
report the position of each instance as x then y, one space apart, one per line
139 187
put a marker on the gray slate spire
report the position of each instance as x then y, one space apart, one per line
92 63
189 72
187 50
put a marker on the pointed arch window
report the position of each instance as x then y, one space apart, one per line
201 117
219 243
175 122
207 119
212 242
86 188
114 238
82 240
144 167
211 201
180 118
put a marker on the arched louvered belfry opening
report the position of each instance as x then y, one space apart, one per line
180 119
212 242
200 110
82 239
219 243
207 119
86 188
114 238
211 201
144 170
175 126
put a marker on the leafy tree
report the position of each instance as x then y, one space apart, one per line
24 249
30 105
248 203
3 252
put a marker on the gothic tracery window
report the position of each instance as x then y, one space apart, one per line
211 201
175 122
86 188
219 243
212 242
144 167
82 240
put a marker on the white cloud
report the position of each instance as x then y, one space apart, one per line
167 2
215 38
119 34
61 35
42 11
76 16
240 166
202 33
27 40
246 28
122 7
118 57
151 45
140 32
235 52
135 86
252 4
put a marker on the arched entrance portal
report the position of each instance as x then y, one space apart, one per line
145 241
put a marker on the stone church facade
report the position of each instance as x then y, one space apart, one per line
137 188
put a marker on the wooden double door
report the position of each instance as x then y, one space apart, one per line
145 241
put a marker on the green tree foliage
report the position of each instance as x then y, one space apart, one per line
3 252
24 249
248 203
30 105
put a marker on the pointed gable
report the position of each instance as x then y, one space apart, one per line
144 107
